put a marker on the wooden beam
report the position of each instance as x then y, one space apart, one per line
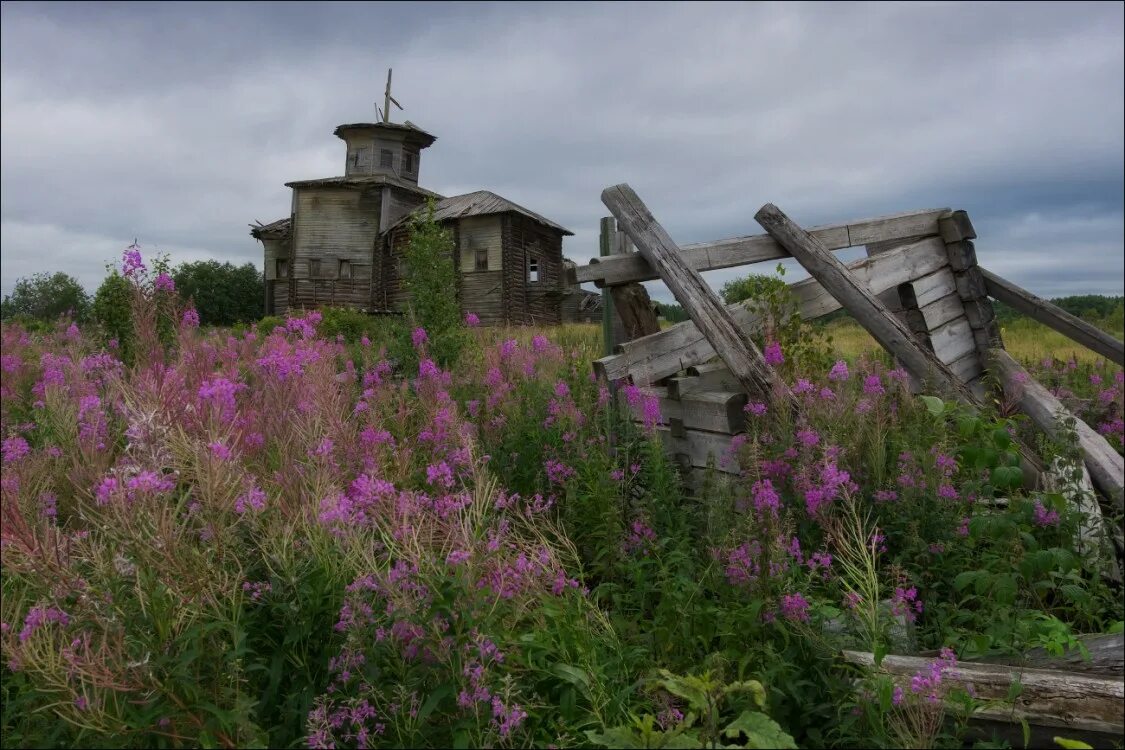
1048 697
739 251
607 230
1054 317
713 411
733 345
680 346
858 300
1106 465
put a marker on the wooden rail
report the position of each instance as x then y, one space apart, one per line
1054 317
683 345
737 251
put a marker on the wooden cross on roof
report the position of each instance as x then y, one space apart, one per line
388 100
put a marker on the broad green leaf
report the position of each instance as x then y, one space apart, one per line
934 405
433 701
1072 744
964 579
623 737
761 731
573 675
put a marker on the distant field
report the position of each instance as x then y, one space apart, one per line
1025 340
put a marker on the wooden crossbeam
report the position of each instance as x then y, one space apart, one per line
739 251
1054 317
733 345
864 306
1106 465
683 345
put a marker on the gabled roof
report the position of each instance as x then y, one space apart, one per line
362 181
480 203
274 230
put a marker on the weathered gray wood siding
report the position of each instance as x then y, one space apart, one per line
334 225
277 289
481 291
527 303
480 294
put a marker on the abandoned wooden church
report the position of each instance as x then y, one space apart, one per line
343 242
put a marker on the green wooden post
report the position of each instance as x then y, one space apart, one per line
605 247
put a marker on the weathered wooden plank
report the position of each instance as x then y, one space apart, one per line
933 287
682 345
953 340
956 227
733 345
712 376
714 411
854 295
608 229
1106 465
738 251
1047 698
1054 317
968 368
943 310
1107 657
700 449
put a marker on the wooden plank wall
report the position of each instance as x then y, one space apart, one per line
525 303
334 224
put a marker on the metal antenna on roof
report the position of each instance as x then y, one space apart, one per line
389 100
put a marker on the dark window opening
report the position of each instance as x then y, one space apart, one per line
281 268
386 158
360 156
481 257
314 269
345 269
533 271
408 163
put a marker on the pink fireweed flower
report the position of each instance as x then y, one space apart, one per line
164 283
418 337
562 390
439 475
773 354
219 451
37 617
766 498
456 557
14 449
1044 517
898 374
873 385
803 385
821 561
540 343
190 319
794 607
557 471
131 262
963 529
852 600
839 371
253 499
808 438
1095 379
905 603
827 394
756 408
471 320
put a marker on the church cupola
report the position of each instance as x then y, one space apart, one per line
384 148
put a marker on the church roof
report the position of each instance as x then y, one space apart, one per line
480 203
274 230
364 181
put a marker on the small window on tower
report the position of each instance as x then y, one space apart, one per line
480 256
281 268
314 269
533 270
386 158
408 163
345 269
359 158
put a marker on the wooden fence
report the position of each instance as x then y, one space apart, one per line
921 294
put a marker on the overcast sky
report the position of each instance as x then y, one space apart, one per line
180 124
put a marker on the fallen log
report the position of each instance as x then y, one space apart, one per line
1106 465
1052 698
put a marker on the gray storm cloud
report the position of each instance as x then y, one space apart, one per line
179 123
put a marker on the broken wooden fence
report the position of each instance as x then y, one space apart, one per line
920 293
